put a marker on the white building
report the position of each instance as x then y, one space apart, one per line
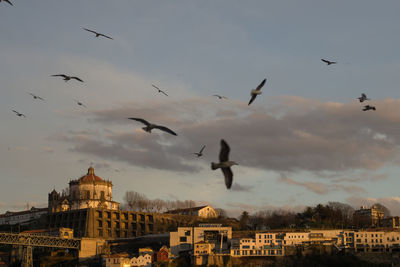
142 260
22 217
185 238
202 212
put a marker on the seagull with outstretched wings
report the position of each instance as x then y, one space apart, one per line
151 126
98 34
200 153
225 164
36 96
328 62
363 98
368 107
8 1
159 90
80 103
67 78
19 114
256 91
221 97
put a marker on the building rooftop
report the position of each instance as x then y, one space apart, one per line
90 176
186 209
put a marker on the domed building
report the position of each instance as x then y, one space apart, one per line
89 191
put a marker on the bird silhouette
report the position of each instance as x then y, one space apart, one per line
19 114
159 90
200 153
80 103
66 78
98 34
7 2
150 126
225 164
256 91
36 96
368 107
363 98
221 96
328 62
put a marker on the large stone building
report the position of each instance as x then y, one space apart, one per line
89 191
371 217
88 208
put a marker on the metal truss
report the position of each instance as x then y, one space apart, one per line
39 241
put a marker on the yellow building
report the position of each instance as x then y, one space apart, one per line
371 217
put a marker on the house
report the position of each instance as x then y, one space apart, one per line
163 254
142 260
118 260
202 212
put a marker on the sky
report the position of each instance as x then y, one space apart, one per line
305 140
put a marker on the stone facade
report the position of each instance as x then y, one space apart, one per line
89 191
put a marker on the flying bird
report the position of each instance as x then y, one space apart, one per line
221 96
363 98
225 164
159 90
80 103
328 62
150 126
200 153
19 114
98 34
36 96
256 91
368 107
67 78
8 1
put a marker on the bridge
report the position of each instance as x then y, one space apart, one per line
28 241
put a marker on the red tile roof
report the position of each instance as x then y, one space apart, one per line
90 176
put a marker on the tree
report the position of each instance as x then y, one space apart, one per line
136 201
244 220
221 213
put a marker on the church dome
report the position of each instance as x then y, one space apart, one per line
90 176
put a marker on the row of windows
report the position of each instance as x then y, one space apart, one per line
268 252
266 236
372 241
372 235
125 216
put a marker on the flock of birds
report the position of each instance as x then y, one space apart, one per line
224 163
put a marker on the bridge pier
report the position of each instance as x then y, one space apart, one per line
27 258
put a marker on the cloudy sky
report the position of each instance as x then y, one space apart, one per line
304 141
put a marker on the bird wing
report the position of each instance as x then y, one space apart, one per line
326 61
8 2
228 177
16 112
155 87
141 120
165 129
364 95
163 92
217 96
201 150
39 98
76 78
224 152
106 36
60 75
261 85
90 31
252 99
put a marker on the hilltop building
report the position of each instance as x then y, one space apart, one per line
89 191
22 217
202 212
88 208
371 217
